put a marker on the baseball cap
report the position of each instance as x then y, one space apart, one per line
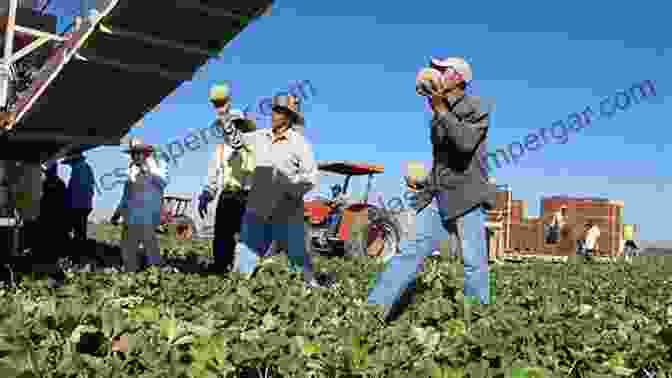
457 64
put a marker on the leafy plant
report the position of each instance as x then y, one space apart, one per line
564 320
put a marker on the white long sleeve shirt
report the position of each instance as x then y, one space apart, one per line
285 171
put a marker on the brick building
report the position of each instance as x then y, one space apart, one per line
524 234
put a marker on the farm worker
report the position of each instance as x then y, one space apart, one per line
629 246
285 171
79 194
457 187
140 205
229 177
560 217
53 239
27 184
25 190
592 234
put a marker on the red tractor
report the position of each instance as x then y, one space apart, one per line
351 226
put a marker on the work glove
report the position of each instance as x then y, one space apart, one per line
203 201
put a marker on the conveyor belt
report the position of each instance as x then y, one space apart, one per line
108 75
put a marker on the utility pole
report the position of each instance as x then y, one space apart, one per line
5 67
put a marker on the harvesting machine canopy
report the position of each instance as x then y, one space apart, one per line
87 85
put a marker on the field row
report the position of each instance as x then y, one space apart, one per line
600 320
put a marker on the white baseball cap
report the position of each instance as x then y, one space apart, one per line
458 64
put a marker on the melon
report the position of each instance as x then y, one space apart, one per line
416 169
220 92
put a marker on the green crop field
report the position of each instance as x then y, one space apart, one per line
549 320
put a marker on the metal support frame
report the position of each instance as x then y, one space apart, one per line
136 68
156 41
30 48
7 57
369 185
38 33
346 184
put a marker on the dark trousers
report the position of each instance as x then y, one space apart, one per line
228 218
51 244
79 221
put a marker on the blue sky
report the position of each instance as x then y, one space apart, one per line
539 61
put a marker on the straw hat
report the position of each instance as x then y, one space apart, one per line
137 145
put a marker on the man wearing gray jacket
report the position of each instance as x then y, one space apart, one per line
457 187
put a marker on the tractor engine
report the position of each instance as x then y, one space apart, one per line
324 217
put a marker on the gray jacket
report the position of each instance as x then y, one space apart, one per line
459 139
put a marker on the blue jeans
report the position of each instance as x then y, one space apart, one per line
402 269
256 236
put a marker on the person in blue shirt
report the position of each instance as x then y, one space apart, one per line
140 206
79 195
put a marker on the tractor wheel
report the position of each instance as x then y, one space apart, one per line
382 239
184 228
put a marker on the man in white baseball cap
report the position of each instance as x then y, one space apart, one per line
443 76
457 185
